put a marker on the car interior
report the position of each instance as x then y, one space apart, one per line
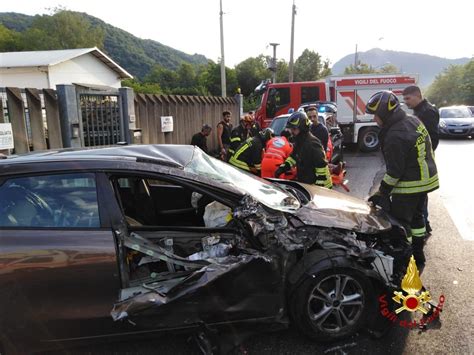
167 220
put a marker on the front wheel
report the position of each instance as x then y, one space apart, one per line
331 304
368 140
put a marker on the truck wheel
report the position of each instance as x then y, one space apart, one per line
369 139
332 304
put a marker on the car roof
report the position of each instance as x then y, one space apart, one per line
454 106
164 154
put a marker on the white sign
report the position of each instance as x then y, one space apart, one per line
6 136
166 123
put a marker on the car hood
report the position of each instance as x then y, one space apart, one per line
458 121
332 209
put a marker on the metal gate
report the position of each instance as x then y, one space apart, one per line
102 120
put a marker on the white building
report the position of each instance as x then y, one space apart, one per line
46 69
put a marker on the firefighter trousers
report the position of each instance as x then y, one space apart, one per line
408 210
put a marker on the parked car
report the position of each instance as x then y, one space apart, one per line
456 121
471 108
106 242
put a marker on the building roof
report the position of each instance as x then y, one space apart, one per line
54 57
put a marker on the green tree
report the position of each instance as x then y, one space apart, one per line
250 73
210 79
362 68
454 86
166 78
309 67
388 68
282 71
9 40
142 88
63 30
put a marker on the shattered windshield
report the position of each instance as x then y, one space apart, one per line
263 191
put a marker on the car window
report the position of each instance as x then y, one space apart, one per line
278 125
278 98
50 201
455 113
309 93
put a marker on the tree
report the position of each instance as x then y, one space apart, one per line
142 88
454 86
388 68
9 40
308 66
166 78
63 30
282 71
362 68
250 73
211 79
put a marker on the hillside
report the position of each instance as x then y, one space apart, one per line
426 66
136 55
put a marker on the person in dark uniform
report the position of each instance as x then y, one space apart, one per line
410 167
318 129
429 115
200 138
248 155
224 129
240 134
308 155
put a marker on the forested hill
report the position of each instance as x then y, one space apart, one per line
136 55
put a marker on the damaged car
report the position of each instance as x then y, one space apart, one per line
106 242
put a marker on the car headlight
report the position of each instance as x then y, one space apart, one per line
442 124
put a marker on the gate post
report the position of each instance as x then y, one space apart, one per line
127 98
69 116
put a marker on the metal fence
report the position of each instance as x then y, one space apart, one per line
189 114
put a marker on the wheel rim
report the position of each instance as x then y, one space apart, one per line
371 139
336 303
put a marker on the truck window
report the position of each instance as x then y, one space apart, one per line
309 94
278 98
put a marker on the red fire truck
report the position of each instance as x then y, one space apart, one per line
349 92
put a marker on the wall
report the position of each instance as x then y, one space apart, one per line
29 77
85 69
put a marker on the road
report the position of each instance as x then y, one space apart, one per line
449 272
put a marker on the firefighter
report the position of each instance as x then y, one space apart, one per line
278 149
410 167
240 133
308 155
248 155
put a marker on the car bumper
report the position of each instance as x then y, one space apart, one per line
456 131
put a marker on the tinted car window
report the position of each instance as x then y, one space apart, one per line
309 93
65 201
278 98
278 125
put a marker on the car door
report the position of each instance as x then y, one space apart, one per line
59 274
190 271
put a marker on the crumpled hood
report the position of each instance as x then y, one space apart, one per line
332 209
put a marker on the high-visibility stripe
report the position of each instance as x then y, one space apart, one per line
417 183
291 161
239 164
418 189
235 139
323 177
390 180
418 232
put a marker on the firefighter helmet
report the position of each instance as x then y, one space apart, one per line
299 120
266 134
382 104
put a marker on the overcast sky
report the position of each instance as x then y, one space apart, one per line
332 28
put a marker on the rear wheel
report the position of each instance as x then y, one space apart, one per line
331 304
368 140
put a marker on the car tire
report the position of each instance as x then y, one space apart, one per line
322 313
368 140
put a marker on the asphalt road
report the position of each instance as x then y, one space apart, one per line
449 272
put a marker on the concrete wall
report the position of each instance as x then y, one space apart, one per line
35 77
85 69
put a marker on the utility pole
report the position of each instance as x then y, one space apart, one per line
356 59
292 47
274 62
223 81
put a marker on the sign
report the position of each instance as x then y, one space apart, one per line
394 80
6 136
166 124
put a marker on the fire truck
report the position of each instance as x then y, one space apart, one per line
349 92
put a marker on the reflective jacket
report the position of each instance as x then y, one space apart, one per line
248 155
310 160
408 155
277 151
237 137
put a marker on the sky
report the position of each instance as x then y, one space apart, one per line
331 28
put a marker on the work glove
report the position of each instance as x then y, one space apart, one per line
281 169
381 200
